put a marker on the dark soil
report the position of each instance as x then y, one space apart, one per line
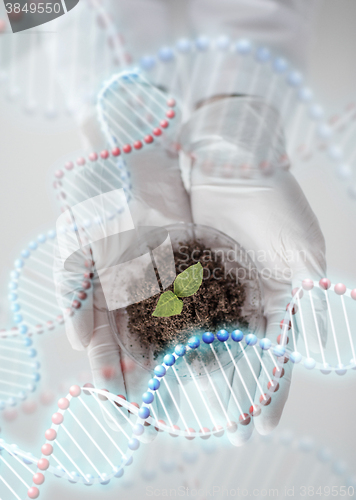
217 304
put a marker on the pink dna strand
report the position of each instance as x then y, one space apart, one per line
132 112
94 433
82 51
88 177
18 476
337 354
278 459
91 440
92 436
32 289
34 404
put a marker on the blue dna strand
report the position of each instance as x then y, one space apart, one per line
212 385
258 72
19 369
32 289
88 177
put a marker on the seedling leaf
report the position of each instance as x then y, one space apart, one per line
189 281
168 305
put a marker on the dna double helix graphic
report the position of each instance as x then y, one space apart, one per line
252 70
19 369
81 50
215 399
217 383
141 107
18 472
94 433
32 289
298 463
338 353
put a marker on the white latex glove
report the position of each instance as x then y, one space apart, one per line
268 215
283 25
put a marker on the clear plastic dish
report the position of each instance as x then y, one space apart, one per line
237 262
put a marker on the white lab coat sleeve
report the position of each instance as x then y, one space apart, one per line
283 26
144 24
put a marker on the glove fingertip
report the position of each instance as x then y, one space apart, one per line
266 426
242 435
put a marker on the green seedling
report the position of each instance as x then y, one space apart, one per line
186 284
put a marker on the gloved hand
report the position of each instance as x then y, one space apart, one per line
215 201
235 143
158 198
